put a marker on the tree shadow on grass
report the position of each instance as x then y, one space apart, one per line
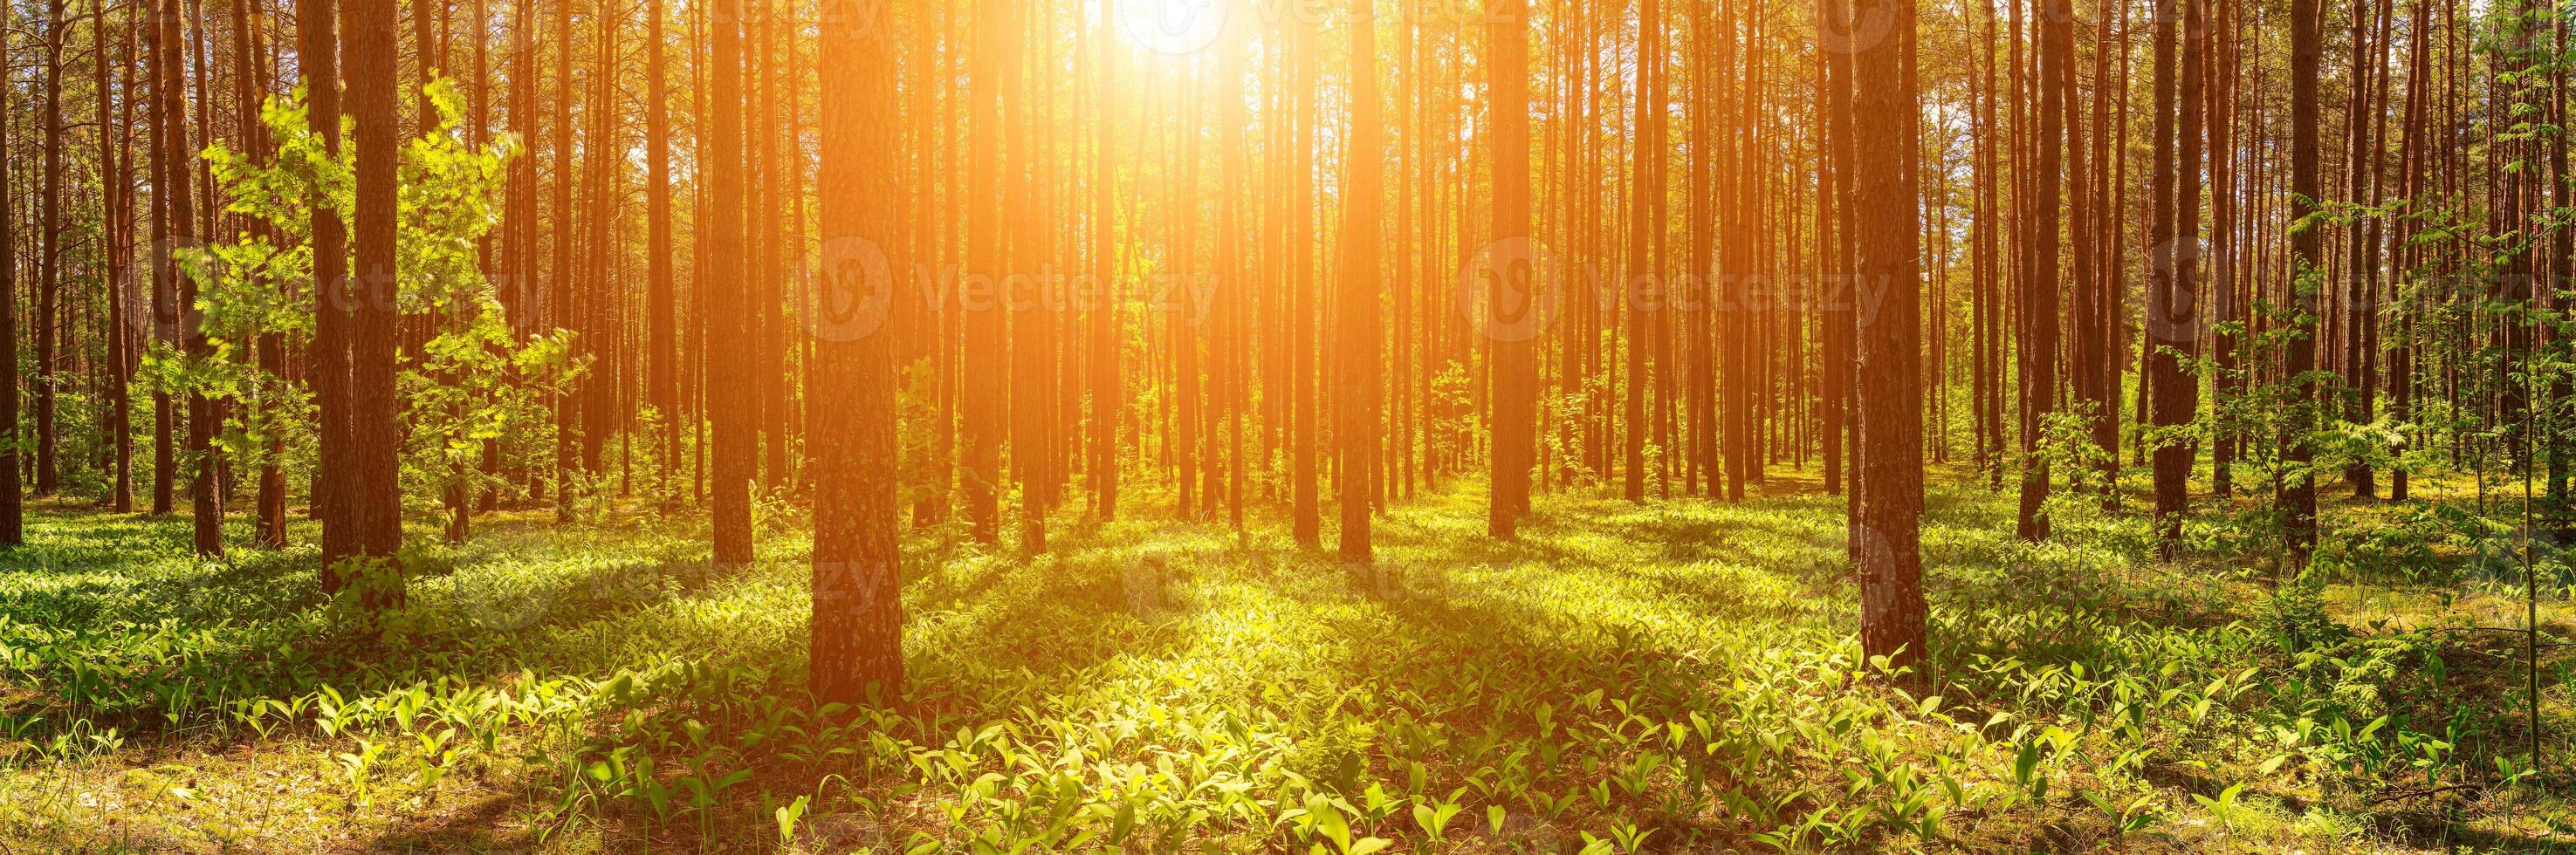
1478 653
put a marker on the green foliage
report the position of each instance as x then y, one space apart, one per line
1625 678
2296 613
469 381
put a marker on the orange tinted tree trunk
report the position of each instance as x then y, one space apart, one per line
856 652
722 287
1512 318
1356 436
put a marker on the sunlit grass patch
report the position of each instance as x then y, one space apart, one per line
1668 674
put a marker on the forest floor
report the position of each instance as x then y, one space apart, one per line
1675 676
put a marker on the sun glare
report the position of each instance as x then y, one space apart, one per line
1173 27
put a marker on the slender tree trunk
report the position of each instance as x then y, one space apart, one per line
1302 56
724 289
1107 394
982 406
2173 313
49 260
318 59
372 503
2360 274
270 346
13 530
769 240
2298 497
2401 358
181 234
1886 531
562 298
2087 352
1028 364
1640 290
165 300
1833 235
856 655
1513 306
2225 204
661 309
117 160
2039 349
1356 435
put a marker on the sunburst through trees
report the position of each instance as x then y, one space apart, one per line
888 288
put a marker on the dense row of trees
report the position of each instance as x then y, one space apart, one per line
991 264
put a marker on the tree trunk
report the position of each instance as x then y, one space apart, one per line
2039 347
12 511
318 58
49 261
2174 306
116 157
1107 396
562 298
1886 531
1515 366
372 503
856 655
723 288
2298 496
982 404
1640 289
1356 435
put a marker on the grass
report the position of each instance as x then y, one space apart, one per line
1676 676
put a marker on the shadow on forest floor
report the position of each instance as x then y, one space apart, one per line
1685 666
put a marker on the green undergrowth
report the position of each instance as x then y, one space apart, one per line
1674 676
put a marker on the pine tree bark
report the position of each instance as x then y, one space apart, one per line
1029 365
769 238
2225 284
561 297
49 261
318 52
723 287
981 409
206 520
1886 547
2298 496
2416 160
2088 351
1515 365
1640 289
1107 396
1833 240
2040 347
1305 499
165 300
270 347
661 301
856 651
372 503
1356 436
2360 274
2174 319
116 167
13 531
